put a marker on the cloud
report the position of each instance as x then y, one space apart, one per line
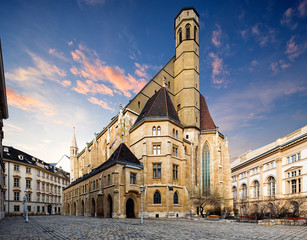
263 34
66 83
28 103
92 2
91 87
254 63
277 66
141 70
101 103
57 54
219 72
41 70
91 67
70 43
287 19
302 8
295 90
216 36
295 50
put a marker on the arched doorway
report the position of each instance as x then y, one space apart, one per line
49 208
82 208
130 208
68 209
109 207
93 208
74 210
100 206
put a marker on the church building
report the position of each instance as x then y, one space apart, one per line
164 140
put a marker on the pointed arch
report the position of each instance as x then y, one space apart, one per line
188 31
179 36
157 197
206 167
195 33
158 130
154 131
176 198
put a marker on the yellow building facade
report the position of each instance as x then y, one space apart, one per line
164 139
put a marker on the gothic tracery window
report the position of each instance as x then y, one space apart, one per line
206 168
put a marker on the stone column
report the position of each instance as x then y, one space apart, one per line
279 177
261 184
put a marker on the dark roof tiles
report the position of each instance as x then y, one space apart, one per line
158 106
206 122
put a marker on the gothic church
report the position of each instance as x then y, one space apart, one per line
164 139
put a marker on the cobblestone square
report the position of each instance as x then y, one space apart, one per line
66 227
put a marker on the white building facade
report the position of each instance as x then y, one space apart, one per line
273 179
44 184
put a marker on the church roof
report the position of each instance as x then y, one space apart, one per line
158 106
121 155
206 122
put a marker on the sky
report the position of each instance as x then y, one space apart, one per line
72 63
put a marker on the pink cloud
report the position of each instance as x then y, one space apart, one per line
28 103
141 70
65 83
280 65
219 72
70 43
91 67
91 87
274 67
57 54
302 8
263 34
295 50
216 36
295 90
101 103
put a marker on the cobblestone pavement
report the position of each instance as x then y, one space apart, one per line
65 227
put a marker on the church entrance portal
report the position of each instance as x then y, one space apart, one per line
110 207
130 208
93 208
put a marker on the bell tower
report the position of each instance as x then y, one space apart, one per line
186 68
74 166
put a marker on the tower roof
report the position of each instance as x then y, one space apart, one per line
74 141
206 122
158 106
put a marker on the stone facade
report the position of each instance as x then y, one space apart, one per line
44 182
168 128
273 174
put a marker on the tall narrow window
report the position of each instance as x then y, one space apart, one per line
176 200
206 168
234 193
293 185
158 130
271 186
175 171
187 29
157 198
157 170
244 192
154 131
195 33
180 35
256 189
173 132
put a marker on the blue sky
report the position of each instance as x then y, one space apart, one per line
72 63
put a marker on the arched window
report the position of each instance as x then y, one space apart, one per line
244 191
271 186
157 198
256 189
234 193
176 200
195 33
176 134
159 131
154 131
173 132
187 31
206 168
180 35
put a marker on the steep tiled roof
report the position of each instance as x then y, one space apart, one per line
121 155
206 122
158 106
11 153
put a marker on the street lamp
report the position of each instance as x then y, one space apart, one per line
23 203
26 196
142 189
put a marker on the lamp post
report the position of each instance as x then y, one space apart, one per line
142 189
24 209
26 196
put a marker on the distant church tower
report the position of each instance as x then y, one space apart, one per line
73 159
186 67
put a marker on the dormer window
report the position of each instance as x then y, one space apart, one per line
20 157
5 149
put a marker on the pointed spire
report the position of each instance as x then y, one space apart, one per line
74 141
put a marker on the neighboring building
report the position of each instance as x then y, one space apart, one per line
3 115
45 184
174 152
273 178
